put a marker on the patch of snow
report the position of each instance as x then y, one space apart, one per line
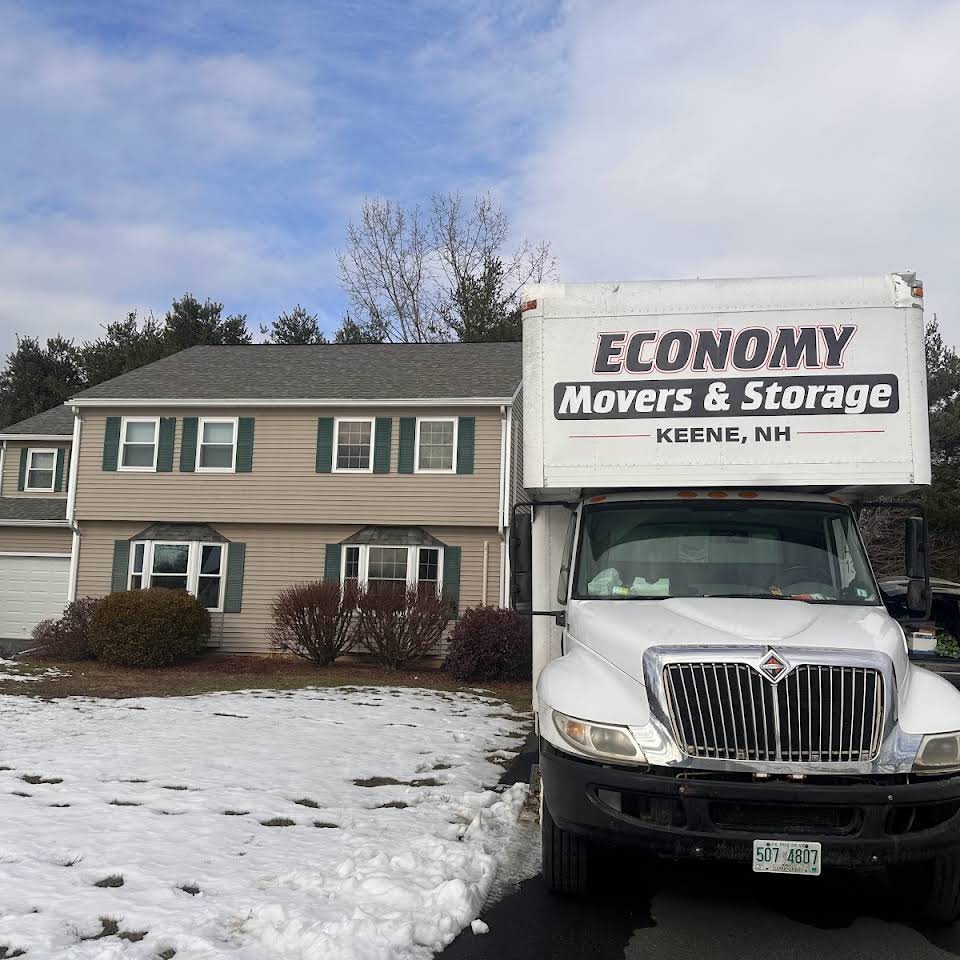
479 927
174 795
11 670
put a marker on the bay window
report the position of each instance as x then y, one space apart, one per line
195 567
392 567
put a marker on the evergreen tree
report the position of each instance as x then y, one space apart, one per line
125 346
481 310
38 377
190 323
298 327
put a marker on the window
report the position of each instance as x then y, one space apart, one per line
195 567
353 444
138 444
386 567
437 445
217 445
40 470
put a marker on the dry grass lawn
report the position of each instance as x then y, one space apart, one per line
216 672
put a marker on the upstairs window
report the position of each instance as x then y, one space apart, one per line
217 445
195 567
138 443
353 444
41 465
437 445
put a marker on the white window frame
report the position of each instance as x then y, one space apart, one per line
193 574
336 443
456 429
123 442
27 488
413 562
235 421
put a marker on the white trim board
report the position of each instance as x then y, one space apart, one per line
345 402
53 556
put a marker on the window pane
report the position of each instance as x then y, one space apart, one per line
387 563
216 456
428 565
353 445
351 563
210 558
42 461
218 433
436 445
138 455
41 479
171 558
140 432
136 583
138 549
208 592
171 583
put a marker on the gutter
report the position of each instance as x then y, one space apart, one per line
3 457
291 402
35 436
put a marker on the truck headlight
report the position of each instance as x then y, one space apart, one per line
938 753
598 739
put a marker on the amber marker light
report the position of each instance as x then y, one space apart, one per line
529 305
688 494
748 494
717 494
917 290
597 499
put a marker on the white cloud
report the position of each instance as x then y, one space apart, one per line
751 138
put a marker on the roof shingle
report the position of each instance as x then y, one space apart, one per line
56 422
33 508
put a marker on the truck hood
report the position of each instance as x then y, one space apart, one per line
620 631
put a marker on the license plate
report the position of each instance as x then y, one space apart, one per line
786 856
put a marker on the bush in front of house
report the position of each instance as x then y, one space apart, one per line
66 637
489 643
399 627
149 628
314 620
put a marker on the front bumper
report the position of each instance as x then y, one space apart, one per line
865 822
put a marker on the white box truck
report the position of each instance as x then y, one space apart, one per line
717 675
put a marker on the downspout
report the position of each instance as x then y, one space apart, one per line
71 508
486 569
3 458
506 508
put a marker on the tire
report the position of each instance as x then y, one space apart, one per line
932 889
566 858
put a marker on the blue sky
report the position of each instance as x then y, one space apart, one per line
222 148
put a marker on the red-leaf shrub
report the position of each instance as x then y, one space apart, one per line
489 643
314 620
401 626
149 628
66 638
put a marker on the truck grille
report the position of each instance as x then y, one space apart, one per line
815 714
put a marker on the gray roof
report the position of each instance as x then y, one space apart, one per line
56 422
181 532
388 371
33 508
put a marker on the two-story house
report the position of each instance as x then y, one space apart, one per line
234 472
35 537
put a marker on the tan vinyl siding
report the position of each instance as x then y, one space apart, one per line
276 556
11 468
35 540
284 486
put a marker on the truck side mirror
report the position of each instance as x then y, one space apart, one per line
914 548
521 563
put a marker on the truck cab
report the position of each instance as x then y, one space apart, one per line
717 675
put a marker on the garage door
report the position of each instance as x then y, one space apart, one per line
31 589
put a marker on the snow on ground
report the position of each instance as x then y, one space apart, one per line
153 816
11 670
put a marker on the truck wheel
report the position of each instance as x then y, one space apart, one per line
933 888
566 857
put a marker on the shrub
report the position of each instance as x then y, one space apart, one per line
148 628
67 638
314 620
489 643
398 626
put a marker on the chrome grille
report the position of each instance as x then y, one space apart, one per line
815 714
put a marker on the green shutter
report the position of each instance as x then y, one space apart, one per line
324 444
22 478
188 445
451 575
466 433
58 471
121 565
111 443
168 431
233 591
381 444
408 438
331 562
245 445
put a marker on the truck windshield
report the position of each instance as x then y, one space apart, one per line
784 550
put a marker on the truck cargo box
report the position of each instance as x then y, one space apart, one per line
800 382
